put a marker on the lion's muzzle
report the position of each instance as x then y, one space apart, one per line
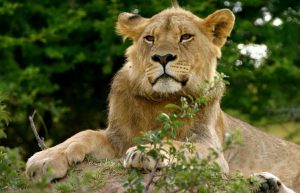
163 60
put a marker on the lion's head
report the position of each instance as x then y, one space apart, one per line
175 50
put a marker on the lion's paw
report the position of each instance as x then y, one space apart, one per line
271 184
134 158
54 162
47 163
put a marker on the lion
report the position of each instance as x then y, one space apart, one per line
171 53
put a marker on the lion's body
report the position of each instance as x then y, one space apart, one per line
172 53
259 151
262 152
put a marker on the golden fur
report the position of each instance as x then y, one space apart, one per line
172 53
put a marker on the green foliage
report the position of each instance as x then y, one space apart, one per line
10 161
4 116
134 182
11 167
58 57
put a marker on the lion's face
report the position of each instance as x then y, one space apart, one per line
174 51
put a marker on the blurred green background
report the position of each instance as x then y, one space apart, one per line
58 57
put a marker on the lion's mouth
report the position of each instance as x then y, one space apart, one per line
167 76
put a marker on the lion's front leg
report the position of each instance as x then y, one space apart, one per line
71 151
135 158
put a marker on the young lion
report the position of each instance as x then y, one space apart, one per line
172 52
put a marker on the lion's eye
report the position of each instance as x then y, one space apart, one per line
186 37
149 39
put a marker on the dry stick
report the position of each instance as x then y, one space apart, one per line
152 175
40 140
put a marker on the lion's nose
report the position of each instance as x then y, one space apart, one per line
164 60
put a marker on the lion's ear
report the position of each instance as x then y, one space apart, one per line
218 26
131 25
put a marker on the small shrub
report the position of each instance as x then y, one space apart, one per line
193 174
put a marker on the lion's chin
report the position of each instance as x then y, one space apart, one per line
167 86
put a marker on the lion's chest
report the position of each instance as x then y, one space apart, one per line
148 120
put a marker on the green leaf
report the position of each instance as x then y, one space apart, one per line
154 153
173 106
2 134
139 140
178 123
163 117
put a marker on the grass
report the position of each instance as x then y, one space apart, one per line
89 176
289 131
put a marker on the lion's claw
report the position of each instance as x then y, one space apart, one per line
134 158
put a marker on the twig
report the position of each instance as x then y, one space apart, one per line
175 3
152 175
40 140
